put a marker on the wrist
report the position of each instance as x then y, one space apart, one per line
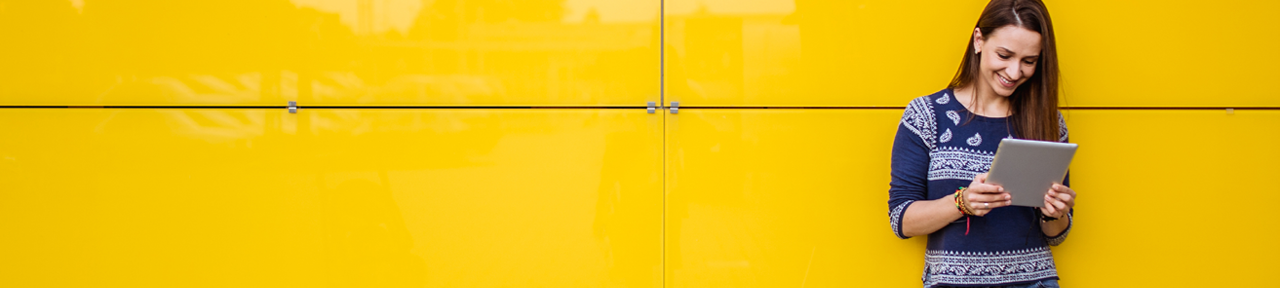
1048 218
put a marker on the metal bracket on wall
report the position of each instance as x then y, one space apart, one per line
652 107
675 107
293 107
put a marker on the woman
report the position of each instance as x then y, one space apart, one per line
1006 87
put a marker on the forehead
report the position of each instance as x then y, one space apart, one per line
1017 39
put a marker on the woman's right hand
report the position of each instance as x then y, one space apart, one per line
982 197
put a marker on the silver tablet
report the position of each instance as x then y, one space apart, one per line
1028 168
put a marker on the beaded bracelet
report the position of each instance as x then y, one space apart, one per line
964 208
960 203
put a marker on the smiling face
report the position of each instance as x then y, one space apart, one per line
1008 58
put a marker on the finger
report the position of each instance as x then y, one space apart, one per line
1066 198
998 204
1049 209
989 197
991 187
980 187
987 206
983 209
1060 206
978 206
980 178
1059 188
977 209
987 188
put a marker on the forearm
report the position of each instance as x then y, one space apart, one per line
924 217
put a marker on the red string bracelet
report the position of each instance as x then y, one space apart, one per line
964 208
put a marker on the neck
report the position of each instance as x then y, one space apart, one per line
983 102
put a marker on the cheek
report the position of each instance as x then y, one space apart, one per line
992 64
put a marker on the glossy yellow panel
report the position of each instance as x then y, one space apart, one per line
1141 53
330 52
783 198
341 198
1173 199
884 52
812 52
776 198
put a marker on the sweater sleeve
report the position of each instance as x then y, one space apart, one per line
910 160
1066 181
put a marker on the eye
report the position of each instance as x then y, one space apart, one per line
1002 56
1030 62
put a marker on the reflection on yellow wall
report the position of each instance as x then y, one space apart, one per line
452 52
330 198
782 198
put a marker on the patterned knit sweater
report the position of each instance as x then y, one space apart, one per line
939 149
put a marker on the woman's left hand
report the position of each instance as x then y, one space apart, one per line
1058 201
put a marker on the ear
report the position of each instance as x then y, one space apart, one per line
978 40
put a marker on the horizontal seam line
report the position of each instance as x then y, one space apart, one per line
580 107
321 107
1168 108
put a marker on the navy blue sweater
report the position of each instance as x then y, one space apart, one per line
939 148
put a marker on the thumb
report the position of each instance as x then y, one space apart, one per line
981 178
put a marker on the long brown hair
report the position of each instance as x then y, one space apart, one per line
1034 105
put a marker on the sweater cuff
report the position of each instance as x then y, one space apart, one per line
1054 241
895 218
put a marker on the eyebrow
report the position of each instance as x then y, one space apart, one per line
1006 50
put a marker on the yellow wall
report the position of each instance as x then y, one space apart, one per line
1170 198
776 198
344 197
510 145
330 52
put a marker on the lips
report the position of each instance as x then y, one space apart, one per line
1006 82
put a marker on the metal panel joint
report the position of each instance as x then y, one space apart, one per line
293 107
675 107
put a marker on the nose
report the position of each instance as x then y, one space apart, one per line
1014 72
